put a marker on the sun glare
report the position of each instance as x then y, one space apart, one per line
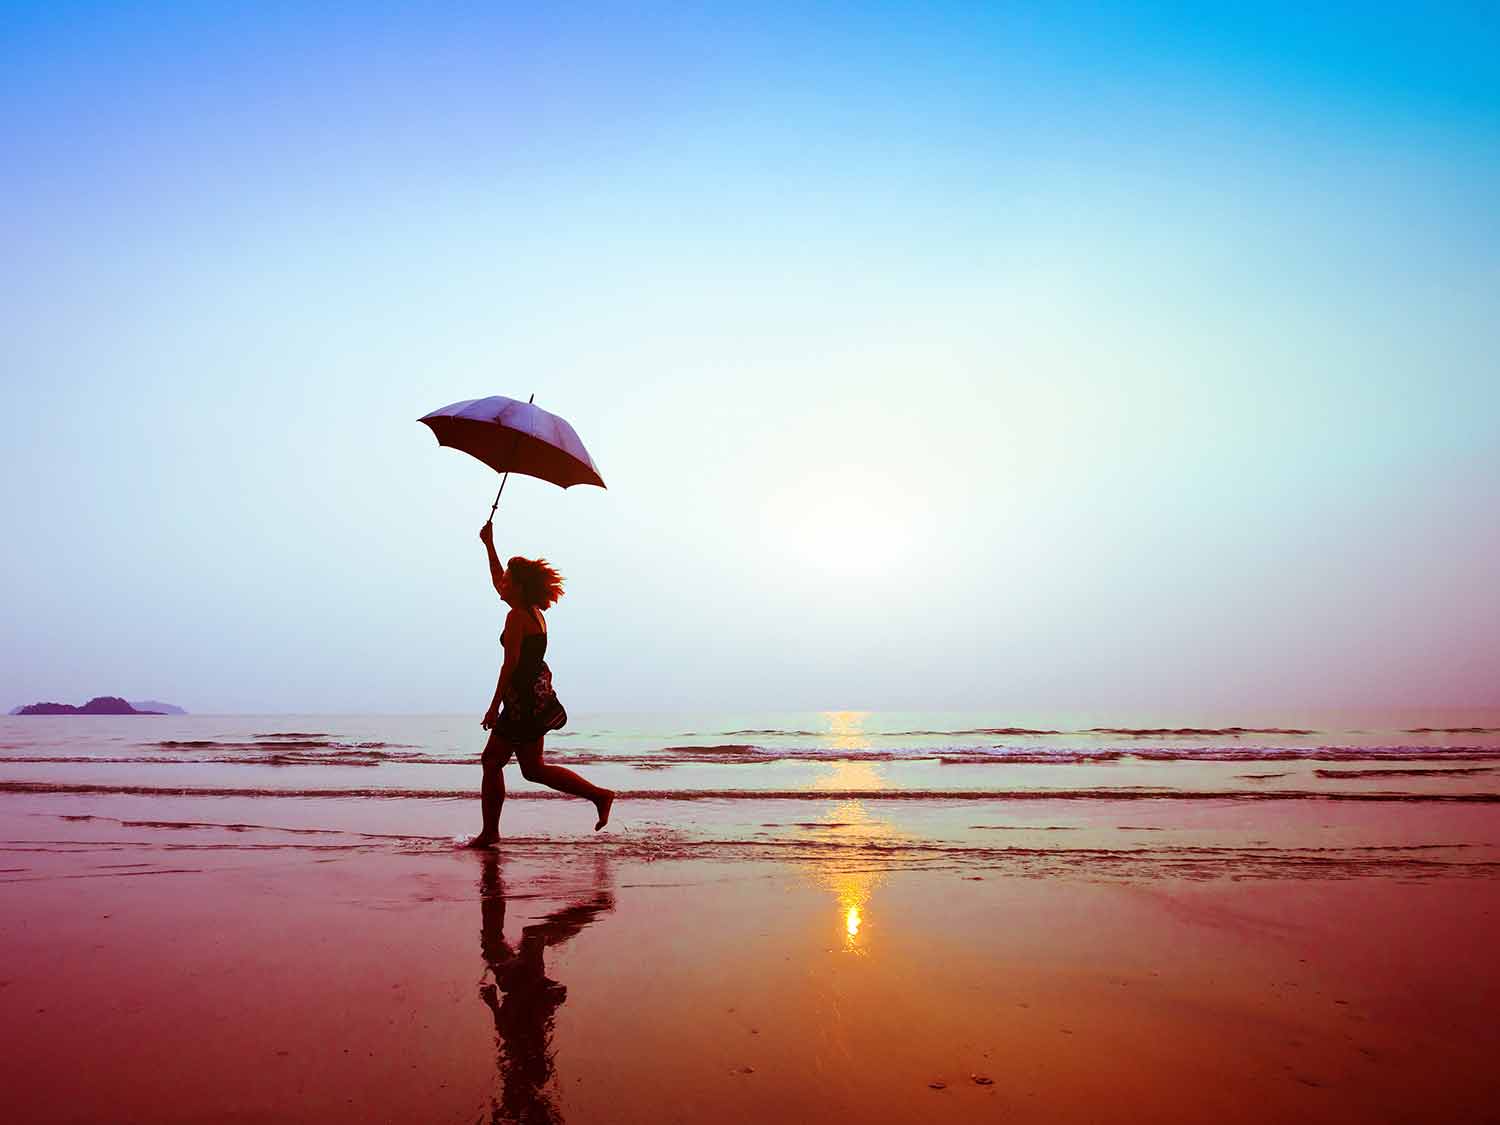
846 525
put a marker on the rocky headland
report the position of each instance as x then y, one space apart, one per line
101 705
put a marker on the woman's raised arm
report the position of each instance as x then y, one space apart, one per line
487 537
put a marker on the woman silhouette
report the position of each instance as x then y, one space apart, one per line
531 708
521 996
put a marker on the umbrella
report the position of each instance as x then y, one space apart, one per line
515 437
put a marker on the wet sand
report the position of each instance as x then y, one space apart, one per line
244 976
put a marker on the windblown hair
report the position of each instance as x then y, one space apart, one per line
535 580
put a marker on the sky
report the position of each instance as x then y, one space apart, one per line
936 355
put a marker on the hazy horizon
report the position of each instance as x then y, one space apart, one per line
1036 360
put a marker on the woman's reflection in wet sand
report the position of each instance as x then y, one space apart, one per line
520 995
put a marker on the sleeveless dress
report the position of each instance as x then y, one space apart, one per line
531 707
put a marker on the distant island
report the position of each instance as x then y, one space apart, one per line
156 707
102 705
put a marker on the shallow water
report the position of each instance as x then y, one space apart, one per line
1287 795
268 919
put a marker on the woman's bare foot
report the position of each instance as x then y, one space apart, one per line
483 840
603 805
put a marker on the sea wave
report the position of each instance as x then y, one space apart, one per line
1196 732
1200 732
762 730
1003 756
737 748
1453 730
270 742
967 731
825 851
295 753
821 795
752 754
1449 771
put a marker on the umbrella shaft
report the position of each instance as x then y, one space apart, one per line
496 504
506 477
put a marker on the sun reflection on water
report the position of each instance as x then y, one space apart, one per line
844 776
851 876
846 729
852 882
846 732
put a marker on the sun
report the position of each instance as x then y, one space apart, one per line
845 524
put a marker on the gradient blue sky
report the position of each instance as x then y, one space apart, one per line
937 355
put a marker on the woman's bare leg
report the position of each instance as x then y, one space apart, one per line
563 780
492 790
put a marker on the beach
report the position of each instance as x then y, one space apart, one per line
750 563
840 934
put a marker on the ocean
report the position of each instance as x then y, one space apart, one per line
1097 795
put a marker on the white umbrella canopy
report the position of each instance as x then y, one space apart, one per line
515 437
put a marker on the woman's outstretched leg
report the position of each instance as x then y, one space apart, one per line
492 791
563 780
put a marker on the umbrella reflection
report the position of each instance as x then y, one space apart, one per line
522 998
